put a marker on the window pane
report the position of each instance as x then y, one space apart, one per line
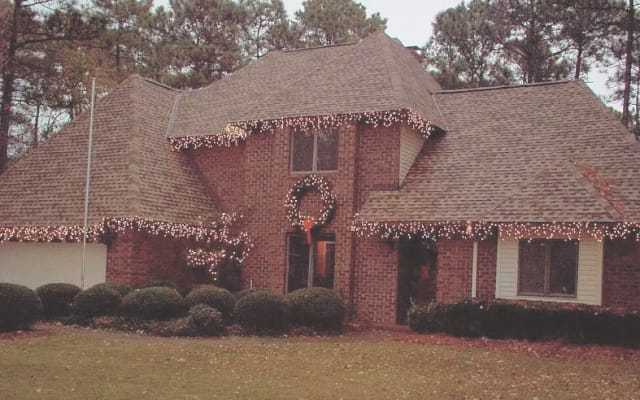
327 151
298 263
531 273
324 263
302 157
563 267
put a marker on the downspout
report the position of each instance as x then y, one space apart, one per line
474 271
356 208
87 186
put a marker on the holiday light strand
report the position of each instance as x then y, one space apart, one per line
297 192
237 132
215 232
486 230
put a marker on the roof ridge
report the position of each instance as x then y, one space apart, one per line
133 153
502 87
322 47
174 112
392 70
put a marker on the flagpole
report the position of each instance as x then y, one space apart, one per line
87 186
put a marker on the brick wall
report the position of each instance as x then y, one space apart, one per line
487 259
255 179
135 258
376 282
621 275
454 270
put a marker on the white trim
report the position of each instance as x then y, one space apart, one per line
589 281
474 270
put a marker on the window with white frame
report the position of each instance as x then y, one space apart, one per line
310 265
314 152
548 267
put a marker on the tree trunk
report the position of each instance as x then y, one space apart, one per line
626 95
579 60
36 127
8 78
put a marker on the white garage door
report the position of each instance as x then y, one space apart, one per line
34 264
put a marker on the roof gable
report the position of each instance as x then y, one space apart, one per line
520 154
377 74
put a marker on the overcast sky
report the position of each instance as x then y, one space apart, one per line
410 21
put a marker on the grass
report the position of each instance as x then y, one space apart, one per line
84 364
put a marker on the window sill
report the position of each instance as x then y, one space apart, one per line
550 299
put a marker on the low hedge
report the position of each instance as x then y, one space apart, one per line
57 298
263 312
118 287
219 298
204 320
317 308
532 322
20 307
96 301
153 303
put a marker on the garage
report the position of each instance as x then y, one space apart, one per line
34 264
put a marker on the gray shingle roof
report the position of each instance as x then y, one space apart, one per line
134 171
536 153
376 74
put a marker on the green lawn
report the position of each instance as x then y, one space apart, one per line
82 364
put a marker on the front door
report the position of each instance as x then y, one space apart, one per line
417 270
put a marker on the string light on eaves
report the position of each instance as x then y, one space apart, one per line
237 132
218 232
487 230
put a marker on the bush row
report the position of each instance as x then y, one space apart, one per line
534 322
208 308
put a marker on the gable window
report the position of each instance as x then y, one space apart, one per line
310 265
548 267
314 152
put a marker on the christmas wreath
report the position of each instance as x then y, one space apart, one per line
297 192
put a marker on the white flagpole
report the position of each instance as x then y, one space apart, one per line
87 186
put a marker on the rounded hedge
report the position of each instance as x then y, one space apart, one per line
162 283
263 312
219 298
96 301
317 308
57 298
118 287
19 307
204 320
153 303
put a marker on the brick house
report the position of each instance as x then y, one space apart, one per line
523 193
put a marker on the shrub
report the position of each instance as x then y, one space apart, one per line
318 308
118 287
162 283
19 307
153 303
262 312
96 301
429 317
204 320
244 292
57 298
465 318
213 296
